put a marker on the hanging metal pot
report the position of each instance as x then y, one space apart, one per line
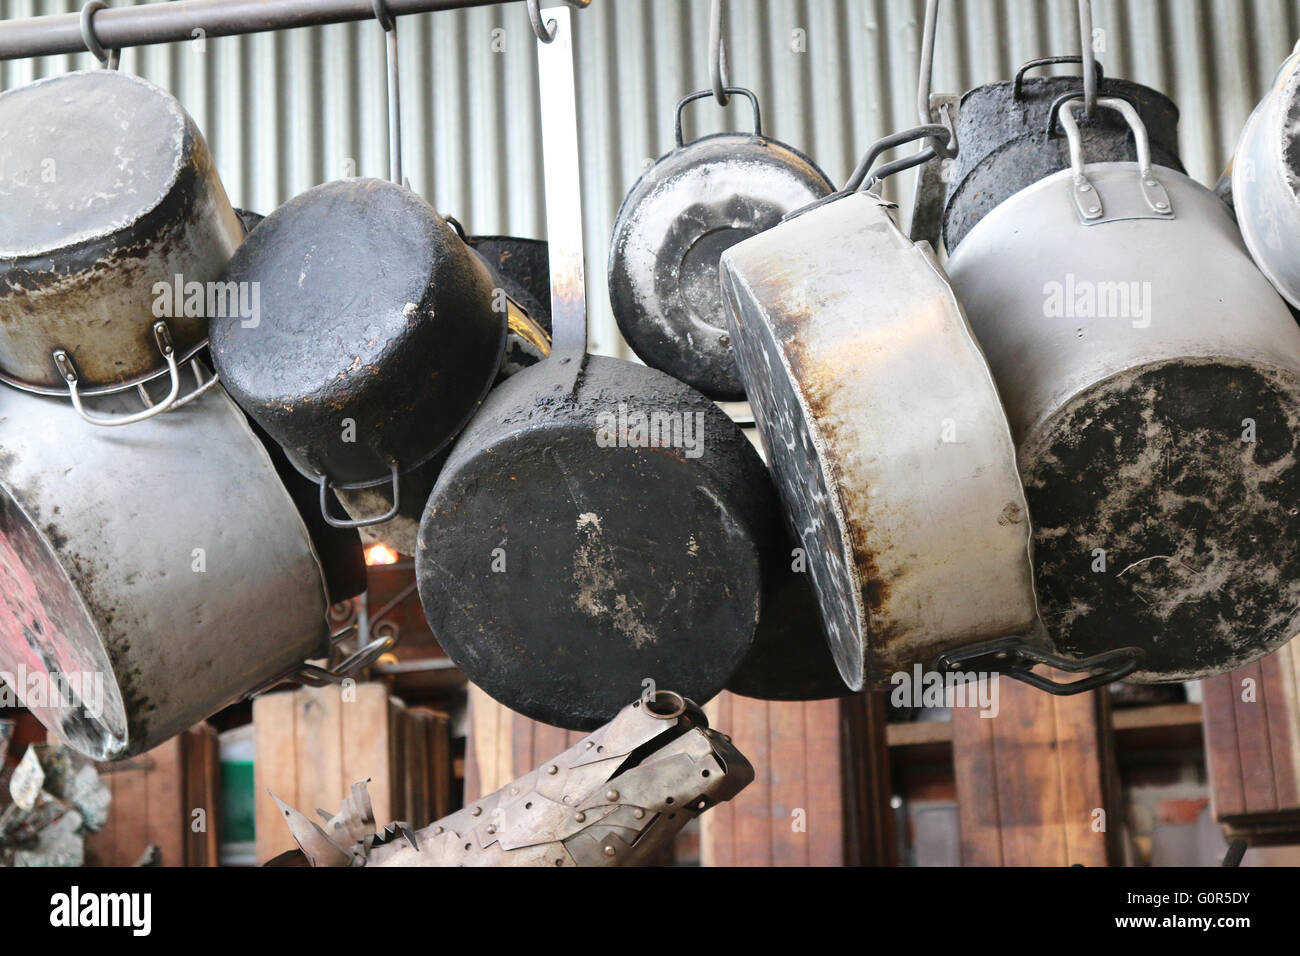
109 201
522 267
1266 182
599 524
886 437
695 202
1152 381
376 340
147 578
1009 140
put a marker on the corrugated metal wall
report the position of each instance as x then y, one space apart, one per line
284 112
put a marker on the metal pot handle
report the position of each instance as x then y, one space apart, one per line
861 181
68 370
730 91
1086 200
334 522
1013 657
1051 61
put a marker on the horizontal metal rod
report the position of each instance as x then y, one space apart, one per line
153 23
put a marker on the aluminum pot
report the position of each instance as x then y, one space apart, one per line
162 571
1009 138
109 199
1152 380
376 339
885 435
1266 182
695 202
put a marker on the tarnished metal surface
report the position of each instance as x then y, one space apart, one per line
523 268
568 554
108 189
694 203
1005 144
1266 182
885 435
166 561
1152 380
615 798
377 337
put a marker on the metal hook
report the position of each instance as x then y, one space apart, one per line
109 58
544 35
718 54
387 21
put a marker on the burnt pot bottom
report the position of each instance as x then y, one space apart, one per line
1199 525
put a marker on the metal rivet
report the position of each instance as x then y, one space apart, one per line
514 790
1085 188
437 830
1162 205
580 816
492 828
638 813
476 811
1094 209
611 795
590 744
552 770
610 851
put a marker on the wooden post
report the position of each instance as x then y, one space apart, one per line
1252 741
1036 784
793 814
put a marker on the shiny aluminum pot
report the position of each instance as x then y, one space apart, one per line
1266 182
111 215
1152 380
162 570
885 435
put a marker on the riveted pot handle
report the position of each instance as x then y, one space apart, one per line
1087 202
1016 659
162 336
1016 90
730 91
334 522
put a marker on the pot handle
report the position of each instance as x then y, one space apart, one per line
1014 658
334 522
1050 61
861 181
68 370
730 91
1087 202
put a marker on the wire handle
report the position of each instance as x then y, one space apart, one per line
718 54
731 91
389 24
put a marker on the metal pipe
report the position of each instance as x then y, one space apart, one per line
1089 60
154 23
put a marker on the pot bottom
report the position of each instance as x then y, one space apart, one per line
1166 510
50 652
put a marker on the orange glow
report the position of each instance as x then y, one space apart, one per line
380 554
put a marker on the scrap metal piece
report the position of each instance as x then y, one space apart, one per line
615 798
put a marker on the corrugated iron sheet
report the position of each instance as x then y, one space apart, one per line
284 112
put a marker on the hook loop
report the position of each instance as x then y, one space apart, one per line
109 58
543 33
718 54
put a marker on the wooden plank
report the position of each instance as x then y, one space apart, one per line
717 827
200 752
440 766
791 816
860 744
1253 739
417 767
1222 756
1276 673
752 806
366 752
397 721
275 769
1082 765
975 772
164 816
132 808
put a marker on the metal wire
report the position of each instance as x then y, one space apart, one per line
718 54
389 23
109 58
543 34
1089 70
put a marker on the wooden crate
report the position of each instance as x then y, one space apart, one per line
312 744
166 797
1251 718
1037 784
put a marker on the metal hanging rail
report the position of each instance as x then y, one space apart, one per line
116 28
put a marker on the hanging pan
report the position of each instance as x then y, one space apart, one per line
599 523
1152 381
377 337
886 437
111 214
696 201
